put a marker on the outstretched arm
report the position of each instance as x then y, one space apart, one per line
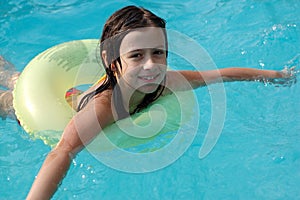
202 78
79 132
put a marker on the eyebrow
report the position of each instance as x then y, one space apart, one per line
157 47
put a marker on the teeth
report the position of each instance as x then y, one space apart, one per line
148 77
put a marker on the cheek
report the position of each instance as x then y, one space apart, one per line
129 75
127 67
163 67
130 71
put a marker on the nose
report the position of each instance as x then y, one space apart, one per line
149 63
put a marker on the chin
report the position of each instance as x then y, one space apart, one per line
147 89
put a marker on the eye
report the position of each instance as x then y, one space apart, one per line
135 55
159 52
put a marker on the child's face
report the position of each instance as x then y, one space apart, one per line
143 59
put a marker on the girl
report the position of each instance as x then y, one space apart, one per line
134 51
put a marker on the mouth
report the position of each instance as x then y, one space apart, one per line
149 77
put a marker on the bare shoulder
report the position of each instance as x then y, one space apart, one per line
102 105
179 80
103 99
89 121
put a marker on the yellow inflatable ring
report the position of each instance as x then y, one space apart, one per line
39 95
41 107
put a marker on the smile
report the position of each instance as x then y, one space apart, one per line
148 78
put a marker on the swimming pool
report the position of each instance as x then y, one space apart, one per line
257 155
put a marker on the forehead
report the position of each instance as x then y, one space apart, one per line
142 38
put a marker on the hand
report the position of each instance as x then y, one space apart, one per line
289 72
288 78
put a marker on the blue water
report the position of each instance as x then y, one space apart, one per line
257 155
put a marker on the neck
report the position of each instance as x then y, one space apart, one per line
131 99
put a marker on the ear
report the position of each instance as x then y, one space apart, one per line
104 57
113 67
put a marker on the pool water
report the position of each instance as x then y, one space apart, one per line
257 155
